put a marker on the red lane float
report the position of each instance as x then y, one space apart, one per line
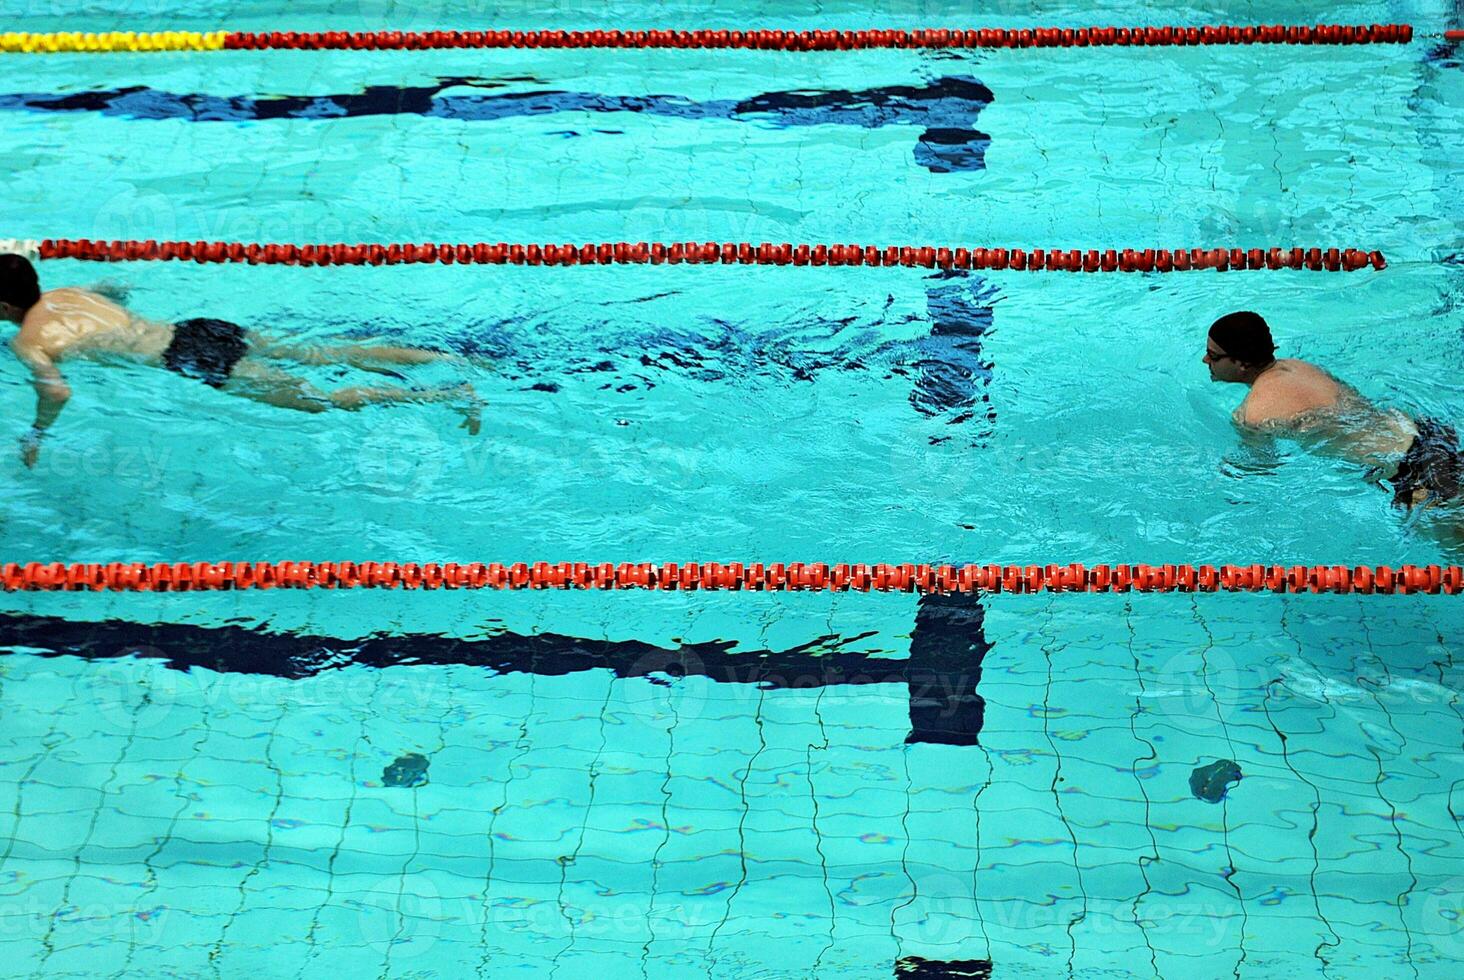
734 576
721 253
778 40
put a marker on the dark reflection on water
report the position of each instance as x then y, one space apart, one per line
941 672
946 108
947 369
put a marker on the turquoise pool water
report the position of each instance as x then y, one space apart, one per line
654 785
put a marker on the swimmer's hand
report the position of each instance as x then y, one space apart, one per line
472 420
30 448
472 412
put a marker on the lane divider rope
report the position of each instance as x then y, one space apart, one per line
763 40
735 576
718 253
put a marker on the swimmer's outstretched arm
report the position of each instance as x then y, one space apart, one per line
52 392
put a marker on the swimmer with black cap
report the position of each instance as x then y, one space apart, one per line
1297 400
89 323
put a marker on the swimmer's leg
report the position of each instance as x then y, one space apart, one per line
370 356
267 384
352 399
375 358
271 386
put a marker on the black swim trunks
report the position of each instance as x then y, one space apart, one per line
1432 463
206 350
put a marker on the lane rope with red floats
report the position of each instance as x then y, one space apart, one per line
26 42
1314 259
731 576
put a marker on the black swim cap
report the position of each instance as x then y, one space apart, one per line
18 283
1245 337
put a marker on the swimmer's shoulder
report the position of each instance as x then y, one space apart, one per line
1296 388
1262 404
30 341
1276 409
1288 371
68 298
46 311
65 295
82 307
57 304
1253 418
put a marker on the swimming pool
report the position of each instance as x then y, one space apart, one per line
740 784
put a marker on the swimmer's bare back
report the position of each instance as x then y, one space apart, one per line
1300 400
78 322
75 322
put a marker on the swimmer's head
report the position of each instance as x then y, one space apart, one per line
1239 347
20 289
